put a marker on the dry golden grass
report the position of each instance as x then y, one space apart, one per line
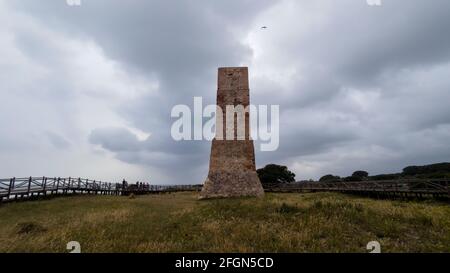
313 222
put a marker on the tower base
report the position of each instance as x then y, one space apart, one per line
232 171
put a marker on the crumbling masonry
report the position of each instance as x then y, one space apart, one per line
232 169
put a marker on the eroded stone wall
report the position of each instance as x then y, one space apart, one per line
232 169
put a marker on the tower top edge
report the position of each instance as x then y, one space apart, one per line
233 68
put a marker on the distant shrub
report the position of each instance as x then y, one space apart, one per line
330 178
434 176
353 179
361 174
427 169
273 173
384 177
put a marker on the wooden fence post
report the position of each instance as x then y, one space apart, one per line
11 186
69 185
57 185
29 186
44 185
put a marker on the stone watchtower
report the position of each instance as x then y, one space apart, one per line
232 169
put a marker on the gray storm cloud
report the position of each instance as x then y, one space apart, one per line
359 87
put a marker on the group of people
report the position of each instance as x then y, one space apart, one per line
139 186
143 186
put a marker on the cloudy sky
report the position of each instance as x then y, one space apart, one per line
88 90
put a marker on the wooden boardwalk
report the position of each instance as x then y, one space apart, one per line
417 188
14 189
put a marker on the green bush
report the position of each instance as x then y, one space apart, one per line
361 174
330 178
352 179
273 173
384 177
427 169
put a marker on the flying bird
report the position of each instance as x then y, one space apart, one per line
263 27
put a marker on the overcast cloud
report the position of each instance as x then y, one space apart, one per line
87 91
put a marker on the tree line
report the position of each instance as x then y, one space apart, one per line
274 173
431 171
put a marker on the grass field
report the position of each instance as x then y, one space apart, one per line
311 222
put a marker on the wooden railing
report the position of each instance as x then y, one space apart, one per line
386 188
27 188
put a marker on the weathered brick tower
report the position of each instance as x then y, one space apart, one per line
232 169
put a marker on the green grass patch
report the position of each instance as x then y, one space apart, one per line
313 222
